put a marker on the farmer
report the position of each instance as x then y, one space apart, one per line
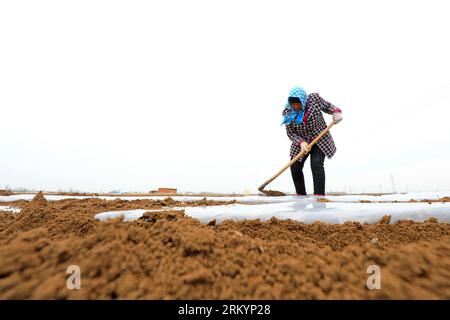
304 121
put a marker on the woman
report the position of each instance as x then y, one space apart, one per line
304 121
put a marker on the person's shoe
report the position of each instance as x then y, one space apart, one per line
319 195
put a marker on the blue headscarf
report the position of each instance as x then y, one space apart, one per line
293 115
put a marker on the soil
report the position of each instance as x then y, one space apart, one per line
443 200
6 192
167 255
123 195
273 193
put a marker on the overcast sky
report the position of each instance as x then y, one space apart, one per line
135 95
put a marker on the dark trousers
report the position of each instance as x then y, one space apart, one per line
318 172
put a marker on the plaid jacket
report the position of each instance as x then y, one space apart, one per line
313 124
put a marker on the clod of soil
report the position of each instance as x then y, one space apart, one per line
273 193
167 255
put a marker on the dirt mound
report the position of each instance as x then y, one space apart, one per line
40 213
35 214
6 218
338 236
443 199
95 205
273 193
323 200
167 255
39 200
6 192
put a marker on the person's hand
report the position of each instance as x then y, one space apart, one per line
304 146
337 117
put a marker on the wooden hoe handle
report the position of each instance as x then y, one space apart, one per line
324 132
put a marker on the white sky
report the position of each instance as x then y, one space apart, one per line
133 95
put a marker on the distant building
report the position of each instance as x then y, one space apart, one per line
164 190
